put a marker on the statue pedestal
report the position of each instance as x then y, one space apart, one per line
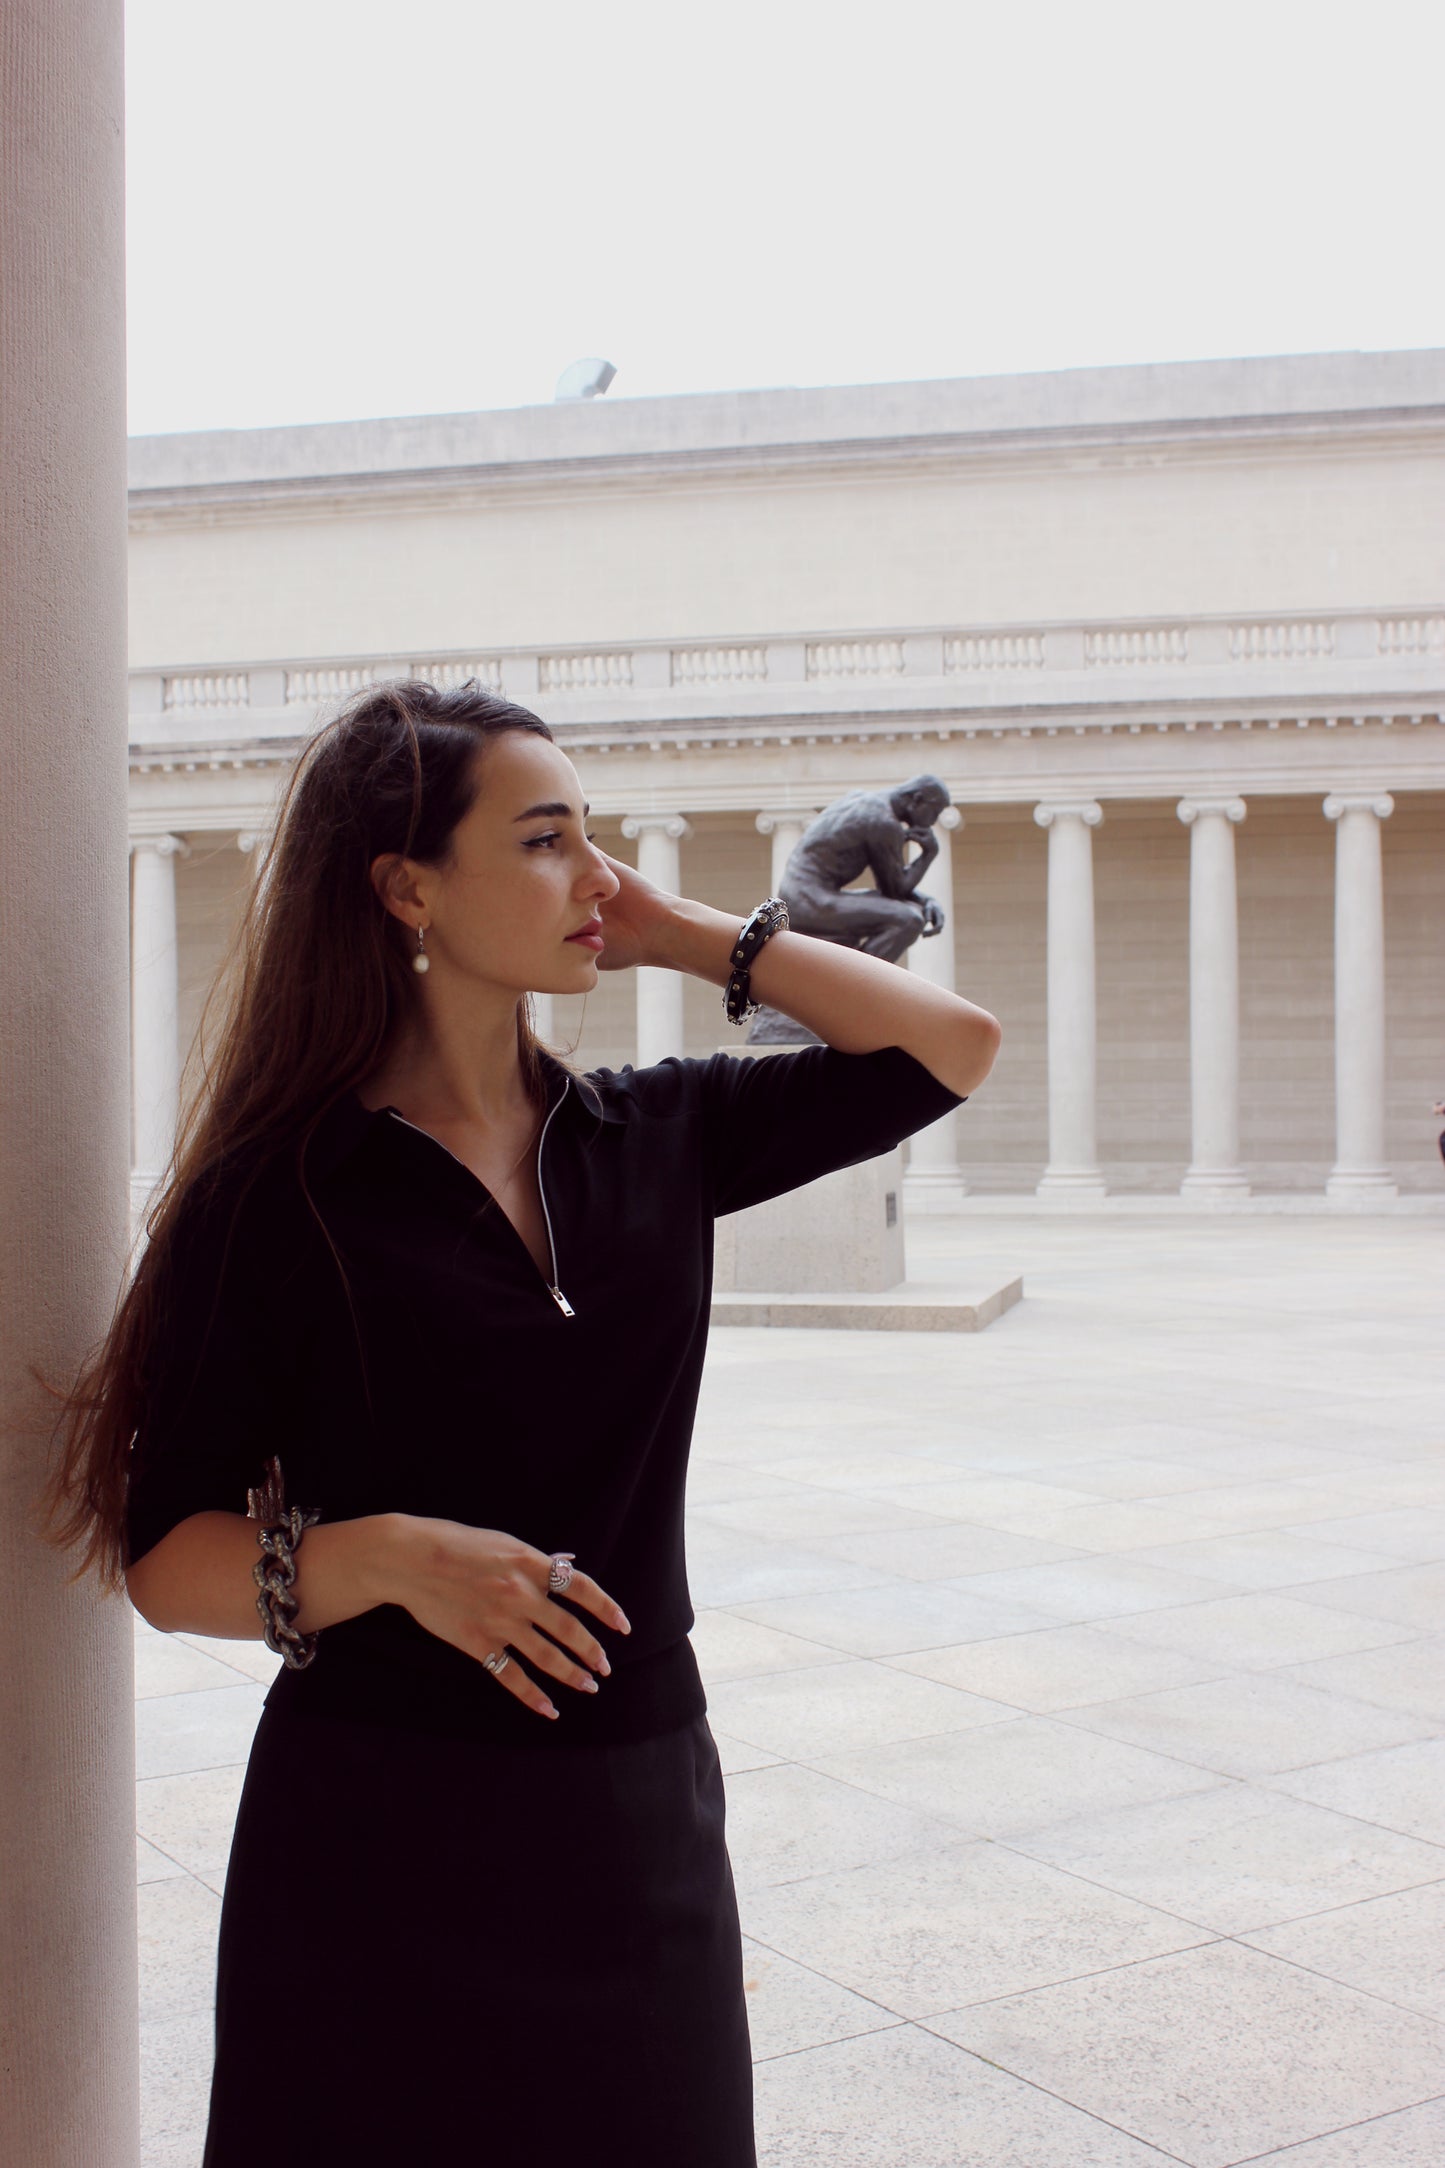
842 1234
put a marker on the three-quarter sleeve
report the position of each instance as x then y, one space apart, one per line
220 1370
771 1123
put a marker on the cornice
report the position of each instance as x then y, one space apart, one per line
1073 446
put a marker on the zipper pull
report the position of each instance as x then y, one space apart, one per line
561 1301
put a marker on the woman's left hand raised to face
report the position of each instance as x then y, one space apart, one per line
634 921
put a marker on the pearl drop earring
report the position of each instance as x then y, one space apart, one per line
421 961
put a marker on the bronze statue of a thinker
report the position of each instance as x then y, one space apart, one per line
865 831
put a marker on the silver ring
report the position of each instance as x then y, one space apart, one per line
560 1572
497 1662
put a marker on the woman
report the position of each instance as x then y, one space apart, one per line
454 1296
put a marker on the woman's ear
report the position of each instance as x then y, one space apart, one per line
395 884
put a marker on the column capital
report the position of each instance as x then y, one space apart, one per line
163 846
1378 802
666 824
1193 809
784 816
1087 810
247 840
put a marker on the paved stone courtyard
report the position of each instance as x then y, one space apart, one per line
1081 1689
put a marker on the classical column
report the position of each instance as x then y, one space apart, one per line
934 1181
1073 1168
155 1008
544 1017
69 2091
786 825
659 993
1214 1169
1359 1170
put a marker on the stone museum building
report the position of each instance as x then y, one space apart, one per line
1173 637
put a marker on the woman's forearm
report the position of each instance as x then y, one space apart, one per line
856 1003
198 1578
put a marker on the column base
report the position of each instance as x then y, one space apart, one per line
933 1189
1215 1182
1086 1183
1360 1185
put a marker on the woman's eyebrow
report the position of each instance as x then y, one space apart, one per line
554 809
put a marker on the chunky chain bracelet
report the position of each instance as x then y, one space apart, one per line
279 1536
769 918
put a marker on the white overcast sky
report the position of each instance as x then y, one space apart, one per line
338 208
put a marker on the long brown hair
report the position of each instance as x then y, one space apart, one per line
314 990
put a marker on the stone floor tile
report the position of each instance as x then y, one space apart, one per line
1249 1726
1392 1946
1408 1595
252 1658
153 1865
1215 2055
845 1470
957 1925
1236 1857
802 1714
1129 1476
190 1818
178 1921
941 1550
1264 1558
904 2098
1258 1632
207 1729
165 1664
1022 1774
790 2006
176 2055
726 1566
735 1755
729 1647
713 1480
1235 1508
988 1501
786 1821
892 1618
807 1515
1401 1787
1412 2138
1059 1667
1114 1525
1413 1533
1407 1675
1077 1592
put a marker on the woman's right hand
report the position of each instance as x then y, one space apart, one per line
483 1590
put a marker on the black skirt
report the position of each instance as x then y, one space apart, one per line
438 1951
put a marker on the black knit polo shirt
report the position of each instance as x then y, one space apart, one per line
444 1377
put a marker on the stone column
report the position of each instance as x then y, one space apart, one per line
544 1018
1214 1169
68 2061
659 993
155 1009
1360 1173
1073 1168
934 1181
786 826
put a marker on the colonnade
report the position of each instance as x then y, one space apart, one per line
934 1177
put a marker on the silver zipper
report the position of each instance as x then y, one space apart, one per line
552 1288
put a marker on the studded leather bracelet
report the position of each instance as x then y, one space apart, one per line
769 918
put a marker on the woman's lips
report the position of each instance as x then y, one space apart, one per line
588 940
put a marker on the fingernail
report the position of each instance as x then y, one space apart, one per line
549 1710
604 1667
589 1686
625 1627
